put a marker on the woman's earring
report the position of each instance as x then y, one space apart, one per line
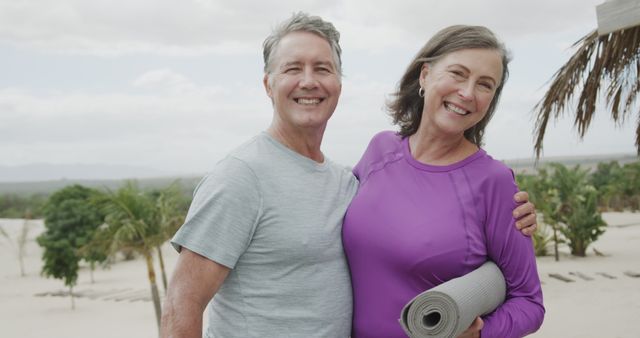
421 92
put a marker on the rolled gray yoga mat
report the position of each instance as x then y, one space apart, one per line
450 308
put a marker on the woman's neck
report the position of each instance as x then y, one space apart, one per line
444 150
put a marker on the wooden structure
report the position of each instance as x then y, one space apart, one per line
615 15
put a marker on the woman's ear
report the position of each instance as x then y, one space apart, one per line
423 73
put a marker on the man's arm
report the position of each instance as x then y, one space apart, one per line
525 213
194 282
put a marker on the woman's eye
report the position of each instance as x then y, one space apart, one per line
488 86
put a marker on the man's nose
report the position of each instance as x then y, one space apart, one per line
308 80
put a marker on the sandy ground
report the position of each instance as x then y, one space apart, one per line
601 301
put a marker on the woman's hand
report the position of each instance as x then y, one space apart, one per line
474 330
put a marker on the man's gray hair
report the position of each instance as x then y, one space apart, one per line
306 23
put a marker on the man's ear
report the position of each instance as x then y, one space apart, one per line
267 85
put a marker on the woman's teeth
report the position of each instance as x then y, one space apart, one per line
455 109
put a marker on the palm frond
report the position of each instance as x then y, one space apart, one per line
130 221
602 66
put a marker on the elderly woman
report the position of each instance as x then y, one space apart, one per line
432 205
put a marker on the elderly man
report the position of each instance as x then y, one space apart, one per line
263 232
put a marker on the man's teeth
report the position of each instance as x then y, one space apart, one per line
455 109
308 101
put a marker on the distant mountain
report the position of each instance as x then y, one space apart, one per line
48 172
47 178
530 165
187 183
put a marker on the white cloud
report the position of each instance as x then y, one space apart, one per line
189 27
197 98
174 120
197 27
169 81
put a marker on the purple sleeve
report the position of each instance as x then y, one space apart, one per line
357 170
373 153
522 312
361 167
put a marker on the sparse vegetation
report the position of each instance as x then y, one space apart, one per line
17 206
618 186
569 204
20 243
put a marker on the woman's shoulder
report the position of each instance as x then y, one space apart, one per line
384 146
383 143
493 170
493 180
386 138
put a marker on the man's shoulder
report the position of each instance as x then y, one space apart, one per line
250 151
240 164
256 154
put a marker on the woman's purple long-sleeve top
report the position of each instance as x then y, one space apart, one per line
414 226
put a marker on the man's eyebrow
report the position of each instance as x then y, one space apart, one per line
325 63
291 63
288 64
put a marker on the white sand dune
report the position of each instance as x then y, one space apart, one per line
601 307
600 302
119 305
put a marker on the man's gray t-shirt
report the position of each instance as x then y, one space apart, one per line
274 217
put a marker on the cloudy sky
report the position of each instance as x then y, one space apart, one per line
174 85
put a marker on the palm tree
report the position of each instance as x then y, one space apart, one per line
571 207
602 65
540 191
21 242
132 223
546 195
170 205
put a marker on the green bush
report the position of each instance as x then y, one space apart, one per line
568 202
70 221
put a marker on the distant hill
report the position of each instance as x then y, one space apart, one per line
188 182
529 166
48 172
48 187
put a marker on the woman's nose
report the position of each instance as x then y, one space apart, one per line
466 91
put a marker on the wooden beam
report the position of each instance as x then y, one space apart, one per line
615 15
